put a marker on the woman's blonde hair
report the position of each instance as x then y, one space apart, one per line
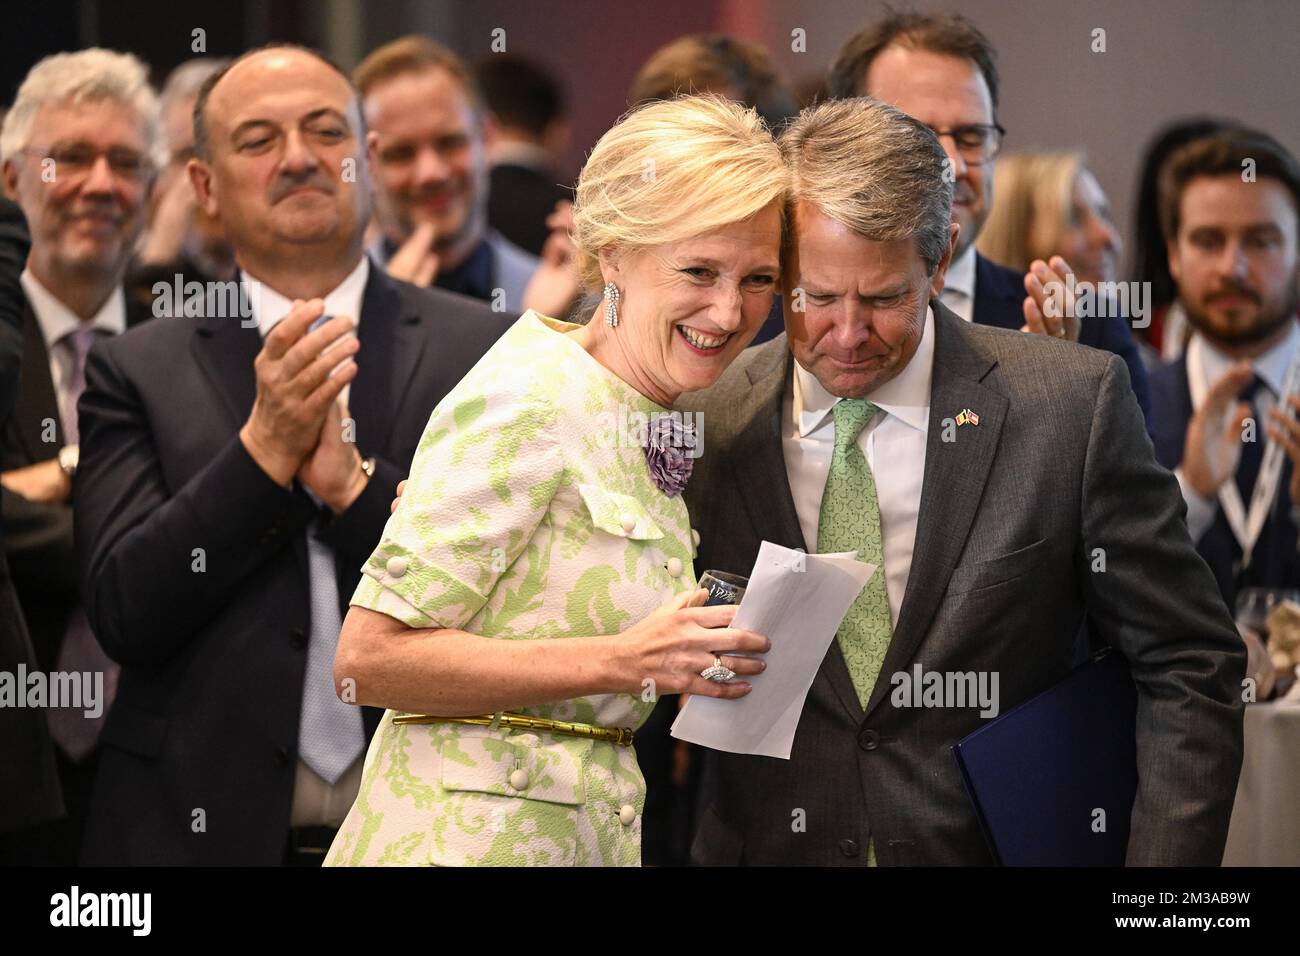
1033 194
671 170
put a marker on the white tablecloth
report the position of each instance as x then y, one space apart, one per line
1265 828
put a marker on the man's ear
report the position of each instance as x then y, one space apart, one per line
10 173
201 179
491 132
372 149
941 270
1175 264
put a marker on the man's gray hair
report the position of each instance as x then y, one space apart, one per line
873 169
87 76
186 80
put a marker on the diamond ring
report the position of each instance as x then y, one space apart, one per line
717 672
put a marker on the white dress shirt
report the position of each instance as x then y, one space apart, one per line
269 306
315 801
57 320
1271 366
895 437
959 285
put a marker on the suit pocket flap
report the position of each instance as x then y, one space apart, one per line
1005 567
519 766
619 514
135 731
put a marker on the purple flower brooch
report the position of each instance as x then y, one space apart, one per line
669 452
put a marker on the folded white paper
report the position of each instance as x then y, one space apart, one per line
798 601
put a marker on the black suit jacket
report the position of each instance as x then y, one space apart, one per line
999 301
1003 571
1275 562
29 785
519 200
209 698
38 536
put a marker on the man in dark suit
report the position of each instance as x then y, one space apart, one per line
237 469
998 511
531 130
81 146
941 70
29 788
1233 251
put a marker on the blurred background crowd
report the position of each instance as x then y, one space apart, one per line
1060 120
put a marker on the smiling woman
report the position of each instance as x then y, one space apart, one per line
533 593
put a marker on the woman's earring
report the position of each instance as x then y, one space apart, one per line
611 305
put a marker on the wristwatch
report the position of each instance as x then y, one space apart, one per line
69 455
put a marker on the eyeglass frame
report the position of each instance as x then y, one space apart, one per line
997 149
146 169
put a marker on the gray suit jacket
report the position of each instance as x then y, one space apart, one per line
1011 514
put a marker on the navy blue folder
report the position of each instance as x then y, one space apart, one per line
1039 773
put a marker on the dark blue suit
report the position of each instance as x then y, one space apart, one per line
999 301
210 696
1274 563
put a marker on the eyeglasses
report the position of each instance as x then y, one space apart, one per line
978 143
78 159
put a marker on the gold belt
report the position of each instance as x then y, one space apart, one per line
622 736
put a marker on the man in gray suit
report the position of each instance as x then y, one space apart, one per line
1005 486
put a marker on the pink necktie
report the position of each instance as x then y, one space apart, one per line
80 653
78 344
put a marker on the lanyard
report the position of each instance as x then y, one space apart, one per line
1246 525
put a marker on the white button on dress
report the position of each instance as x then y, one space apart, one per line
519 779
396 566
627 814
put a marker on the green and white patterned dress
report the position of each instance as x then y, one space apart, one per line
529 514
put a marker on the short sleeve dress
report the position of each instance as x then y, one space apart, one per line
530 513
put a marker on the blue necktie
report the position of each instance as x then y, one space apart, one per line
1252 452
330 733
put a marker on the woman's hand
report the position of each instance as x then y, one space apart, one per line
671 646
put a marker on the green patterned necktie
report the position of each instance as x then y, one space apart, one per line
850 521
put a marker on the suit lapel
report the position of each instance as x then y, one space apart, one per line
759 450
953 485
391 346
36 401
224 350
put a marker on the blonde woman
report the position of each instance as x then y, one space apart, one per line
1049 204
529 598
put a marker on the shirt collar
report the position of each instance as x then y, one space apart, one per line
960 277
269 306
1271 366
57 320
906 396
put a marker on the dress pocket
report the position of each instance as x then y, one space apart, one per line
619 514
518 766
512 801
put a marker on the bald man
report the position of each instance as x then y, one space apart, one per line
237 462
